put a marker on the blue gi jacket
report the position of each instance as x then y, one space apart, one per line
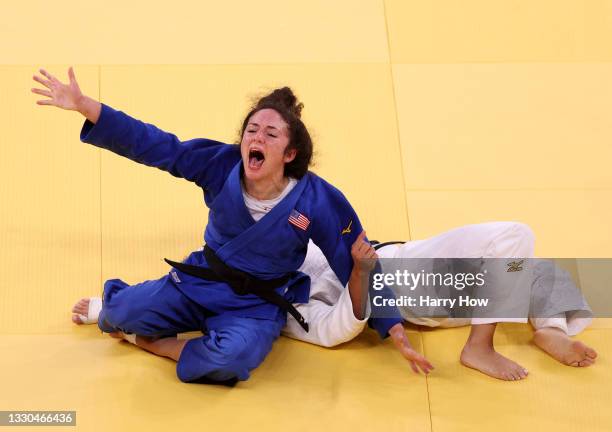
267 249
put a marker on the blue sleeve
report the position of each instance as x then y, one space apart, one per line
335 228
383 325
201 161
382 318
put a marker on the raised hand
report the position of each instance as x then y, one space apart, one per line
416 360
66 96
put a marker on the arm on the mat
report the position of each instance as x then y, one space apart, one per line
401 342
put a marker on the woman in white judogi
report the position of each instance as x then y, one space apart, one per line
332 313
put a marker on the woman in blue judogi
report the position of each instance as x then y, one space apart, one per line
264 207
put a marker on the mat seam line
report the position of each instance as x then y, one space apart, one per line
397 126
405 189
427 384
100 187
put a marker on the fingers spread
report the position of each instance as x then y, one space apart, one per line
41 92
42 81
48 75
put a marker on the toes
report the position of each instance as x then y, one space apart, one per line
574 363
585 363
81 305
591 353
76 319
508 376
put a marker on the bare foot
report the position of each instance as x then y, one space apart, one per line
116 335
81 307
567 351
488 361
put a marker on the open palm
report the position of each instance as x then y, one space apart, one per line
61 95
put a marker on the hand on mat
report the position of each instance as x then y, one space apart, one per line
66 96
416 360
364 255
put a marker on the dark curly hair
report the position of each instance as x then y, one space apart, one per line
284 102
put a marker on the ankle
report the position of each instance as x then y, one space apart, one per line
479 344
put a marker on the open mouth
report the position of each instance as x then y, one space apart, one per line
256 159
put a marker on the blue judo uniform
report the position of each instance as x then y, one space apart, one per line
239 329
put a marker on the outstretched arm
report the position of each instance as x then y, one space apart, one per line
67 96
205 162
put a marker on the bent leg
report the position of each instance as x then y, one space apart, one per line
559 311
153 308
485 240
232 347
551 335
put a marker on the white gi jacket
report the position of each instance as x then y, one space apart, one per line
329 312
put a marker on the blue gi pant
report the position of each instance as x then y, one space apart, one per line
231 347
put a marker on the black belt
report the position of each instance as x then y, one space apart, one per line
241 282
378 245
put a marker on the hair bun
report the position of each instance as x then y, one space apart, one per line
285 98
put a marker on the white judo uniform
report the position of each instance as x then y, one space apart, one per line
330 312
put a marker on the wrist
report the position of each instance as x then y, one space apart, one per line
89 108
360 272
80 104
396 331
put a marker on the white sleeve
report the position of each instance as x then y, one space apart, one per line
329 325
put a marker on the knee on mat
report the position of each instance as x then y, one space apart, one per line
238 352
221 357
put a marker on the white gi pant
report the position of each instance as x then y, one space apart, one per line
486 240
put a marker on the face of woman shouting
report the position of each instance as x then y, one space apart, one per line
264 153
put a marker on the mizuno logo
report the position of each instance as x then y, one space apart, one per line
347 230
515 266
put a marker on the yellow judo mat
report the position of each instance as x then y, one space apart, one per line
427 115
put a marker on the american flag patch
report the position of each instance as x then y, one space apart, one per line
299 220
